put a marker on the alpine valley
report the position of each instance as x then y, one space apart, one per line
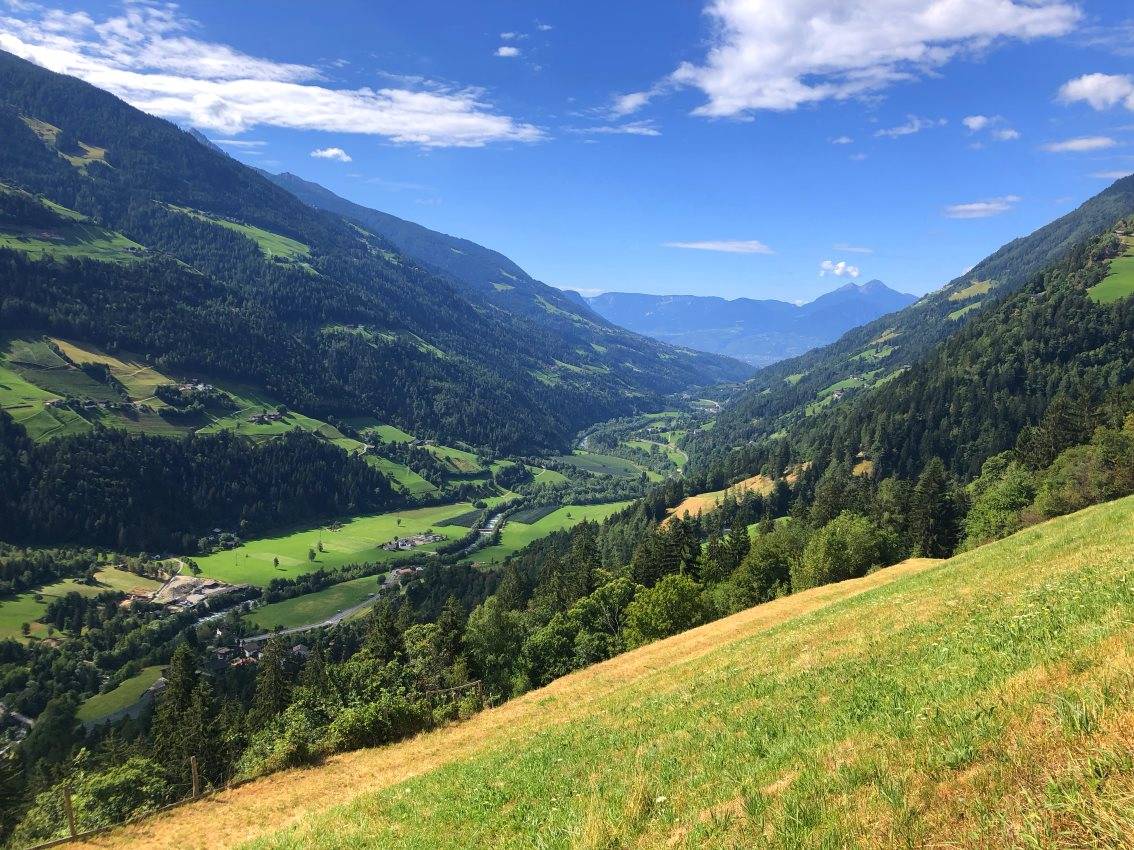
322 528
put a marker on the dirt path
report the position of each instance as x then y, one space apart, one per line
232 817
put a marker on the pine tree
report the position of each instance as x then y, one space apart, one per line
935 512
273 686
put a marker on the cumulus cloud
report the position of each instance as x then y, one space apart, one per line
337 154
1005 134
506 51
976 123
982 209
842 140
544 27
782 54
147 56
725 246
1081 144
840 269
1101 91
914 124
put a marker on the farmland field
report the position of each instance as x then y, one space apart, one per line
458 460
25 608
516 535
546 476
530 515
600 464
409 480
122 697
314 607
74 239
139 379
357 540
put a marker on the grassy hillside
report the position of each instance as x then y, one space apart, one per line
976 702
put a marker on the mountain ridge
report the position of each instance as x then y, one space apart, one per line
759 331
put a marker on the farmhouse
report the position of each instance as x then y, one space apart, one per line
403 544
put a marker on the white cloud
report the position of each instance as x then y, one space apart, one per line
982 209
630 128
1101 91
1081 144
781 54
145 56
840 269
994 123
914 124
852 249
337 154
506 51
628 104
726 246
508 36
544 27
842 140
1111 175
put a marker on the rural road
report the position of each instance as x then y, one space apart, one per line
333 620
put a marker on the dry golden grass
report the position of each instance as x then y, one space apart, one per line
705 502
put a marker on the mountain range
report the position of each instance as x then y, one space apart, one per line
756 331
214 269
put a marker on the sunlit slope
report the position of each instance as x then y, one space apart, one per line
984 701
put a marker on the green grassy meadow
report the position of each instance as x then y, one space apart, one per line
600 464
314 607
26 608
359 539
78 240
122 697
984 701
1119 283
516 535
272 244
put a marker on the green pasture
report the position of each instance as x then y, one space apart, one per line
516 535
359 539
314 607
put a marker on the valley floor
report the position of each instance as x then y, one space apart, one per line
982 701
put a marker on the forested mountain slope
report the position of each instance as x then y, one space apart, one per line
139 237
914 692
1004 316
757 331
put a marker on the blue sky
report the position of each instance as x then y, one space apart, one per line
760 148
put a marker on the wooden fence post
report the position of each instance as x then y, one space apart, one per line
69 809
196 776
